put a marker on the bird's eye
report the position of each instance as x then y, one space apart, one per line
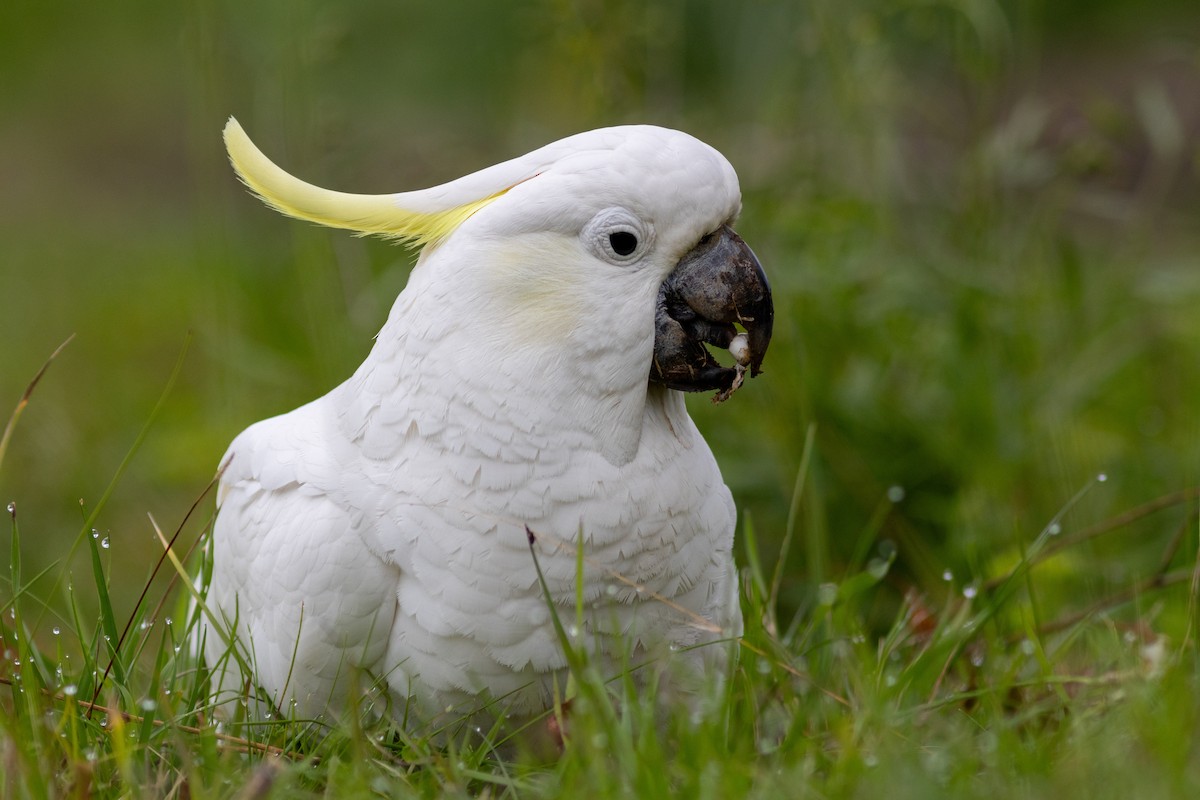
623 242
618 236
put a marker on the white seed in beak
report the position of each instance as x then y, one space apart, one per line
739 348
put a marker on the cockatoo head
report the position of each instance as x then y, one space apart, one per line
585 233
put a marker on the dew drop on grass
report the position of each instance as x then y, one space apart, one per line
56 630
947 575
95 533
12 507
104 542
168 621
1102 477
969 592
895 493
1054 529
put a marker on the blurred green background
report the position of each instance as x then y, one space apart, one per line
982 220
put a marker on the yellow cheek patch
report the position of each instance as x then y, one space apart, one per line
534 289
366 214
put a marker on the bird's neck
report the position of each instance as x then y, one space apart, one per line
451 375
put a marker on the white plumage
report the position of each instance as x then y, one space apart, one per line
378 534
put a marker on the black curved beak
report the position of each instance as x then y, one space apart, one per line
716 286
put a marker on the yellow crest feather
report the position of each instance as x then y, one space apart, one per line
366 214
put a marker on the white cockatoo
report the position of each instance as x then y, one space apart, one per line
522 400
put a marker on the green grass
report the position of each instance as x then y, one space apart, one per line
965 693
979 221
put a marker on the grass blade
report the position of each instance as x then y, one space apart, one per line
24 401
789 533
90 519
108 620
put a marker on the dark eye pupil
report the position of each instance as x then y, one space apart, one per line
623 242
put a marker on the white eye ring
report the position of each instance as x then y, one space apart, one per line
617 236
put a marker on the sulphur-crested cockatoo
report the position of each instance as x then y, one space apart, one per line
523 398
